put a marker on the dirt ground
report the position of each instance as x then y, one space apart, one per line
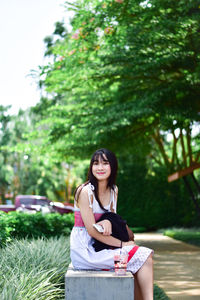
176 265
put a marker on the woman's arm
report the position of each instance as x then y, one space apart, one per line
130 233
88 220
116 197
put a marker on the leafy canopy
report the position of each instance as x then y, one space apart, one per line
127 69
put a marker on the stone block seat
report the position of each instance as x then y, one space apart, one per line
98 285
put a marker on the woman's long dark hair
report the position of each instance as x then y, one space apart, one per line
110 156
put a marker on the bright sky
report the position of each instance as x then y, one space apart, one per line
23 26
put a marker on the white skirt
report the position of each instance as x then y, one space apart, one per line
83 255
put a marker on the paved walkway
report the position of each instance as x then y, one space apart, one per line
176 265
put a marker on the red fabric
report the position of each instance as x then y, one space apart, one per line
132 252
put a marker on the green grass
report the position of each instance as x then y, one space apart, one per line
190 236
34 270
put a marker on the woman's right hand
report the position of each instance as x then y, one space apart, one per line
129 243
107 226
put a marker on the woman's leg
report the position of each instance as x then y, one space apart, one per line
145 279
137 292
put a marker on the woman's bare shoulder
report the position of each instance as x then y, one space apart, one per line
82 192
81 187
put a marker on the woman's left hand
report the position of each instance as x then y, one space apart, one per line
107 226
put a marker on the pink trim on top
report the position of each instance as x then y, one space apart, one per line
78 219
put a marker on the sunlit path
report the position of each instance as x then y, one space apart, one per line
176 265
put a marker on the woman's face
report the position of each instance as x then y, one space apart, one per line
101 168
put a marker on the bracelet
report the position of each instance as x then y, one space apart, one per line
121 245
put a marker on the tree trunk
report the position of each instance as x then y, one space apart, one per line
187 184
195 182
158 139
183 147
174 149
188 136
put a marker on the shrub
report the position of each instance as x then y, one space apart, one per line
148 199
138 229
5 229
191 236
159 294
20 225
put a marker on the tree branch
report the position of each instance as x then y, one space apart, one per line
183 147
188 136
174 149
155 159
158 139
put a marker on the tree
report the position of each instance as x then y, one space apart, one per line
128 69
5 168
23 170
34 172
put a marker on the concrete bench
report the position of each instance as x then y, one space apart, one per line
98 285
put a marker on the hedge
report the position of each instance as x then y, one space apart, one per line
20 225
190 236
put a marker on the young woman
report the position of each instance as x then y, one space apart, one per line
93 198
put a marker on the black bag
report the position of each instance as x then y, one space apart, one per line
119 230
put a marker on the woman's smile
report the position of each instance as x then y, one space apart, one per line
101 168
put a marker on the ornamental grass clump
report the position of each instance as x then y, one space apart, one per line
34 270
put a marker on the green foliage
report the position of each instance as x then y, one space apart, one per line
127 67
138 229
6 171
21 225
191 236
159 294
127 74
5 229
128 71
24 169
35 172
147 200
34 269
